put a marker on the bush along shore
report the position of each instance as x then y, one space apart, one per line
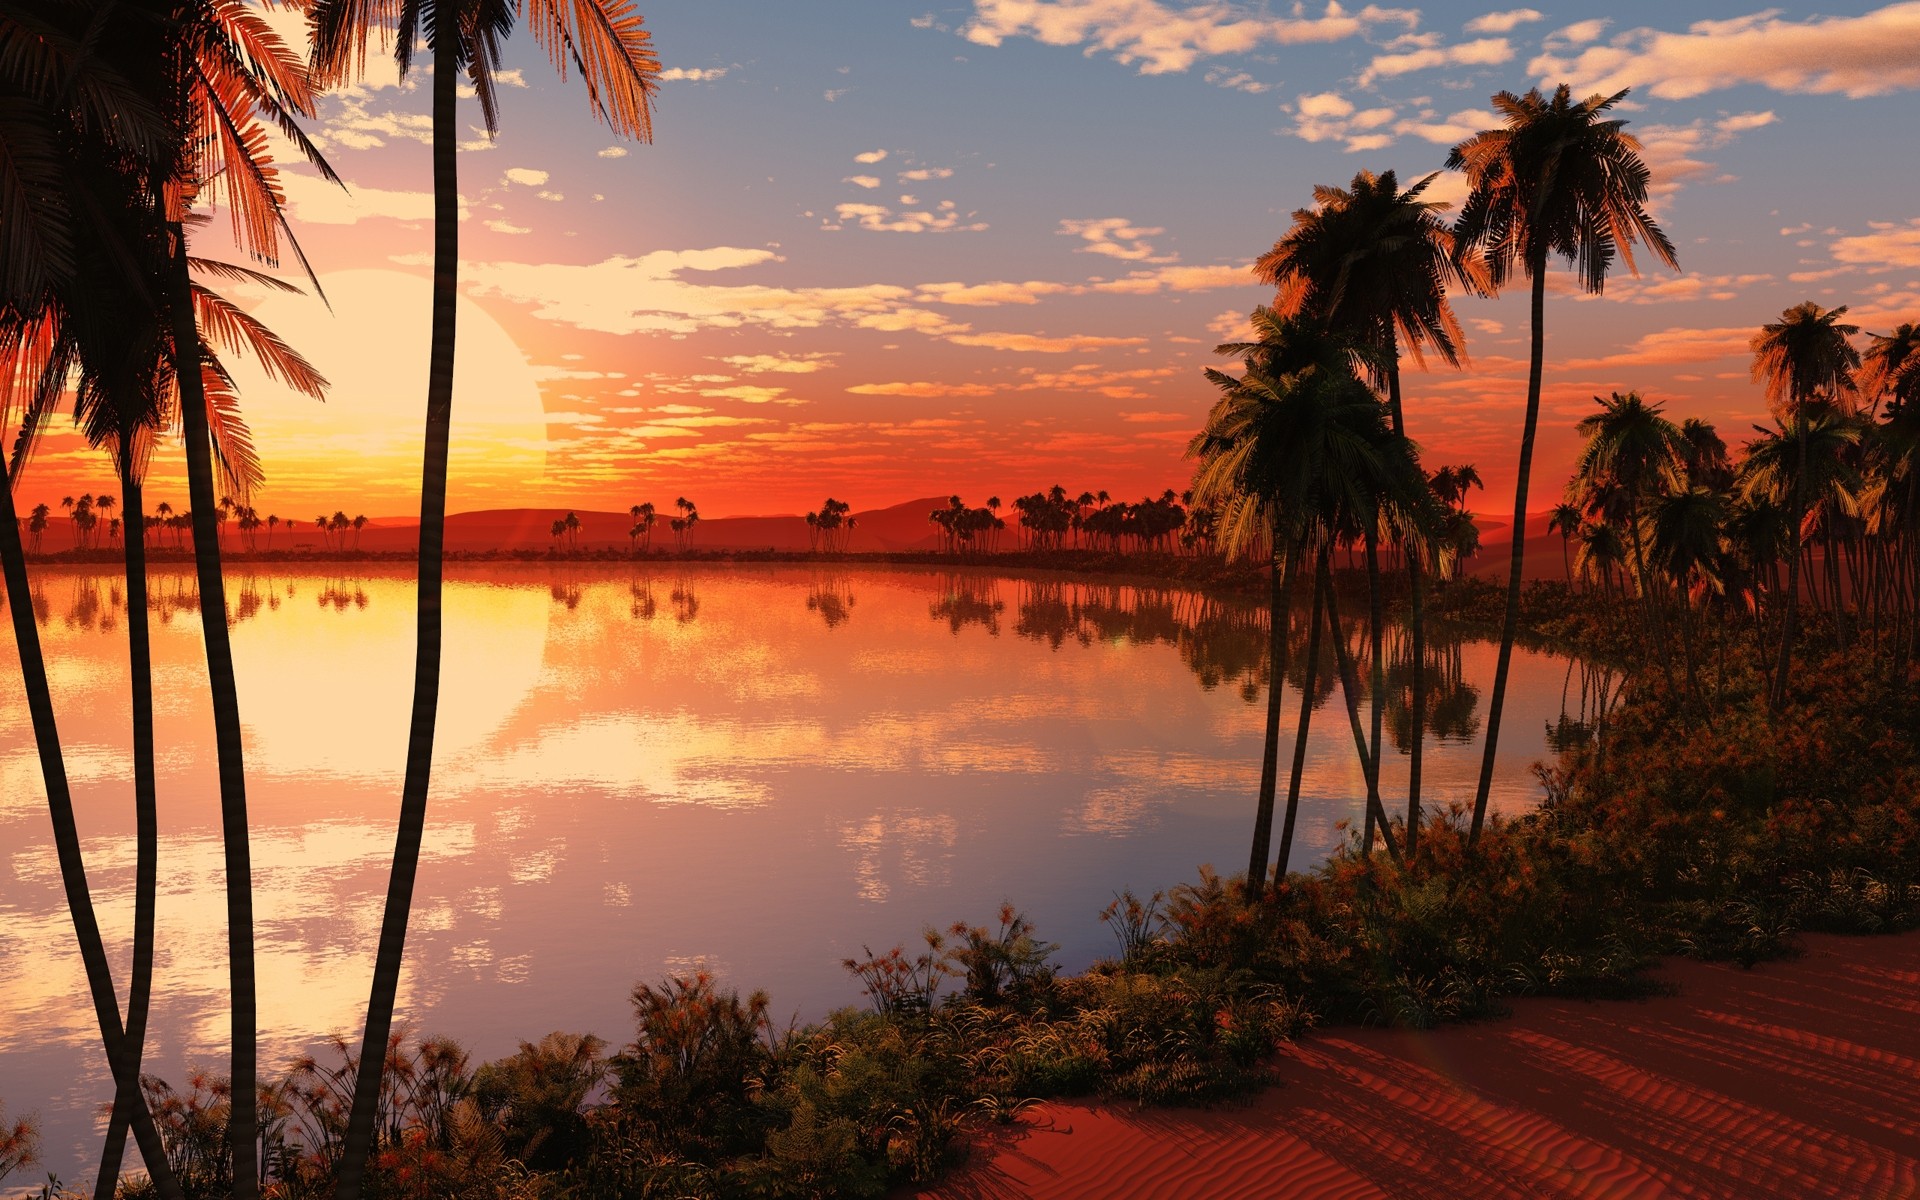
1719 839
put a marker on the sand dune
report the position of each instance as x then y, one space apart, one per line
1791 1081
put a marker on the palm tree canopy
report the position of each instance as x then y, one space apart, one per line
1372 260
604 40
1629 444
1805 356
1558 179
1891 366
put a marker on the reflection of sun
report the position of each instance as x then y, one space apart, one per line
361 448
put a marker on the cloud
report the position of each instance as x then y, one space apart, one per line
314 200
983 295
526 176
1504 22
779 364
1329 116
1889 245
922 174
692 74
1040 344
865 181
1179 279
751 394
1855 56
1677 287
1485 52
881 219
1669 346
1741 122
507 227
1163 38
922 390
1153 418
611 152
1115 237
870 156
1238 81
1579 33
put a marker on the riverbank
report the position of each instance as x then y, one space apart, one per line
1793 1079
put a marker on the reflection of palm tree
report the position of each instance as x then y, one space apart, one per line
1558 179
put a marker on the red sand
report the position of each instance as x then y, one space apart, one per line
1793 1080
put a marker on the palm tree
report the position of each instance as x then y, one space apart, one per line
605 40
1806 361
1375 262
359 523
1686 528
1890 367
273 522
1287 455
572 525
1566 522
1558 180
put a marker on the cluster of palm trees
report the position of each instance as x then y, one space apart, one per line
1308 447
831 527
1821 504
963 528
117 120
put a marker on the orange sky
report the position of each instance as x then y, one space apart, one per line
883 254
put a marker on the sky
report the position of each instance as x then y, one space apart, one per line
881 251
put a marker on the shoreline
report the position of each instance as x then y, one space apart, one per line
1793 1079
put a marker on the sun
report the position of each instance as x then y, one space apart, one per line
360 450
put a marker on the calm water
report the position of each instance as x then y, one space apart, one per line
755 770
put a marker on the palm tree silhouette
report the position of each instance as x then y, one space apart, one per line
1295 453
1558 179
273 522
1565 520
1807 361
604 39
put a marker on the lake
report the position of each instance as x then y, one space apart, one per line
753 769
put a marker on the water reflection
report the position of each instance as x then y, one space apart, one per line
600 768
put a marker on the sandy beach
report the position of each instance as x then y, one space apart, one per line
1791 1080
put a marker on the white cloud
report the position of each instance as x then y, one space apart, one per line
1579 33
1866 55
870 156
922 174
612 152
1741 122
865 181
921 389
692 74
1040 343
1115 237
779 364
1504 22
507 227
526 176
986 295
312 199
881 219
1481 53
1238 81
1163 38
1889 245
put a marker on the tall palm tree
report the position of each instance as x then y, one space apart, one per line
1290 454
1806 360
605 41
1558 180
1376 262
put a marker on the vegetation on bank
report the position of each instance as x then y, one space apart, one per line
1718 841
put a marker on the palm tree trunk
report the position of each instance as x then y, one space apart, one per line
1376 618
243 1121
426 669
1417 584
1789 623
1350 689
1280 610
1510 623
66 834
1307 686
127 1097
